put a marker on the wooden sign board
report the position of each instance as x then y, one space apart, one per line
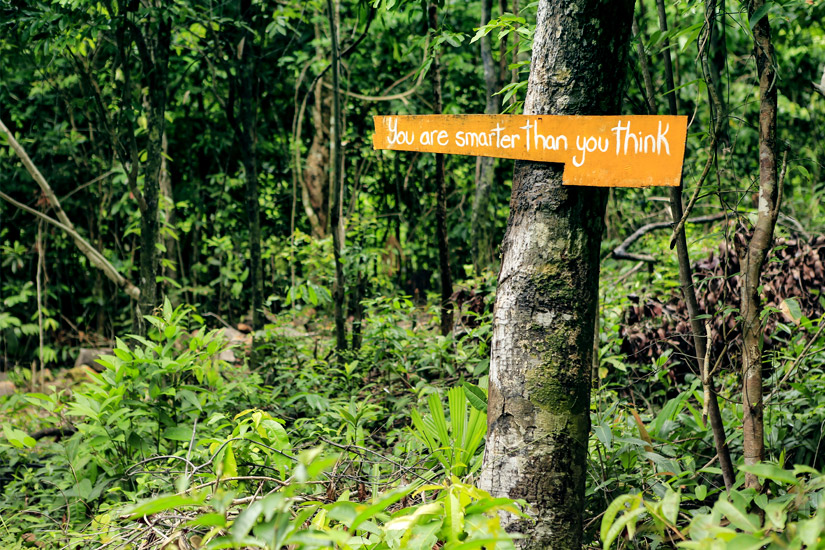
601 151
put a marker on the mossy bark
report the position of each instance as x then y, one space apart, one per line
547 295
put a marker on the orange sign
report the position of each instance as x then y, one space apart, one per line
602 151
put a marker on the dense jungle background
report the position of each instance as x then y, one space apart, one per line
227 321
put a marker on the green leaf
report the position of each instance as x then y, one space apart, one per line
624 521
167 310
791 308
244 522
770 471
670 506
439 421
178 433
744 541
610 514
738 518
387 500
761 12
161 504
605 435
230 465
207 520
18 438
476 396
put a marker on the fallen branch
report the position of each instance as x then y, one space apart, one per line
621 252
95 257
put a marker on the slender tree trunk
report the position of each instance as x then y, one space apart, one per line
480 230
540 367
514 70
314 180
169 218
248 111
336 176
40 383
700 335
716 67
503 71
155 75
769 198
441 196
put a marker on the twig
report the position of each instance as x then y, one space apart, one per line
239 478
681 225
88 183
401 95
131 470
191 444
820 88
780 185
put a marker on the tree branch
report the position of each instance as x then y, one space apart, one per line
94 256
621 252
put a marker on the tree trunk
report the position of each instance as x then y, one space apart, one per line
155 76
441 196
170 270
754 257
538 412
480 224
248 111
700 335
336 217
315 180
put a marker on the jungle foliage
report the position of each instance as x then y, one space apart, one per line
229 414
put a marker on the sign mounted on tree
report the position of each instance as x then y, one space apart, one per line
598 151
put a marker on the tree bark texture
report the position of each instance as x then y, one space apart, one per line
336 175
480 223
754 256
441 196
538 411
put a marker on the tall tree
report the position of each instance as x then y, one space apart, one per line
246 132
753 443
441 194
149 29
336 181
538 412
